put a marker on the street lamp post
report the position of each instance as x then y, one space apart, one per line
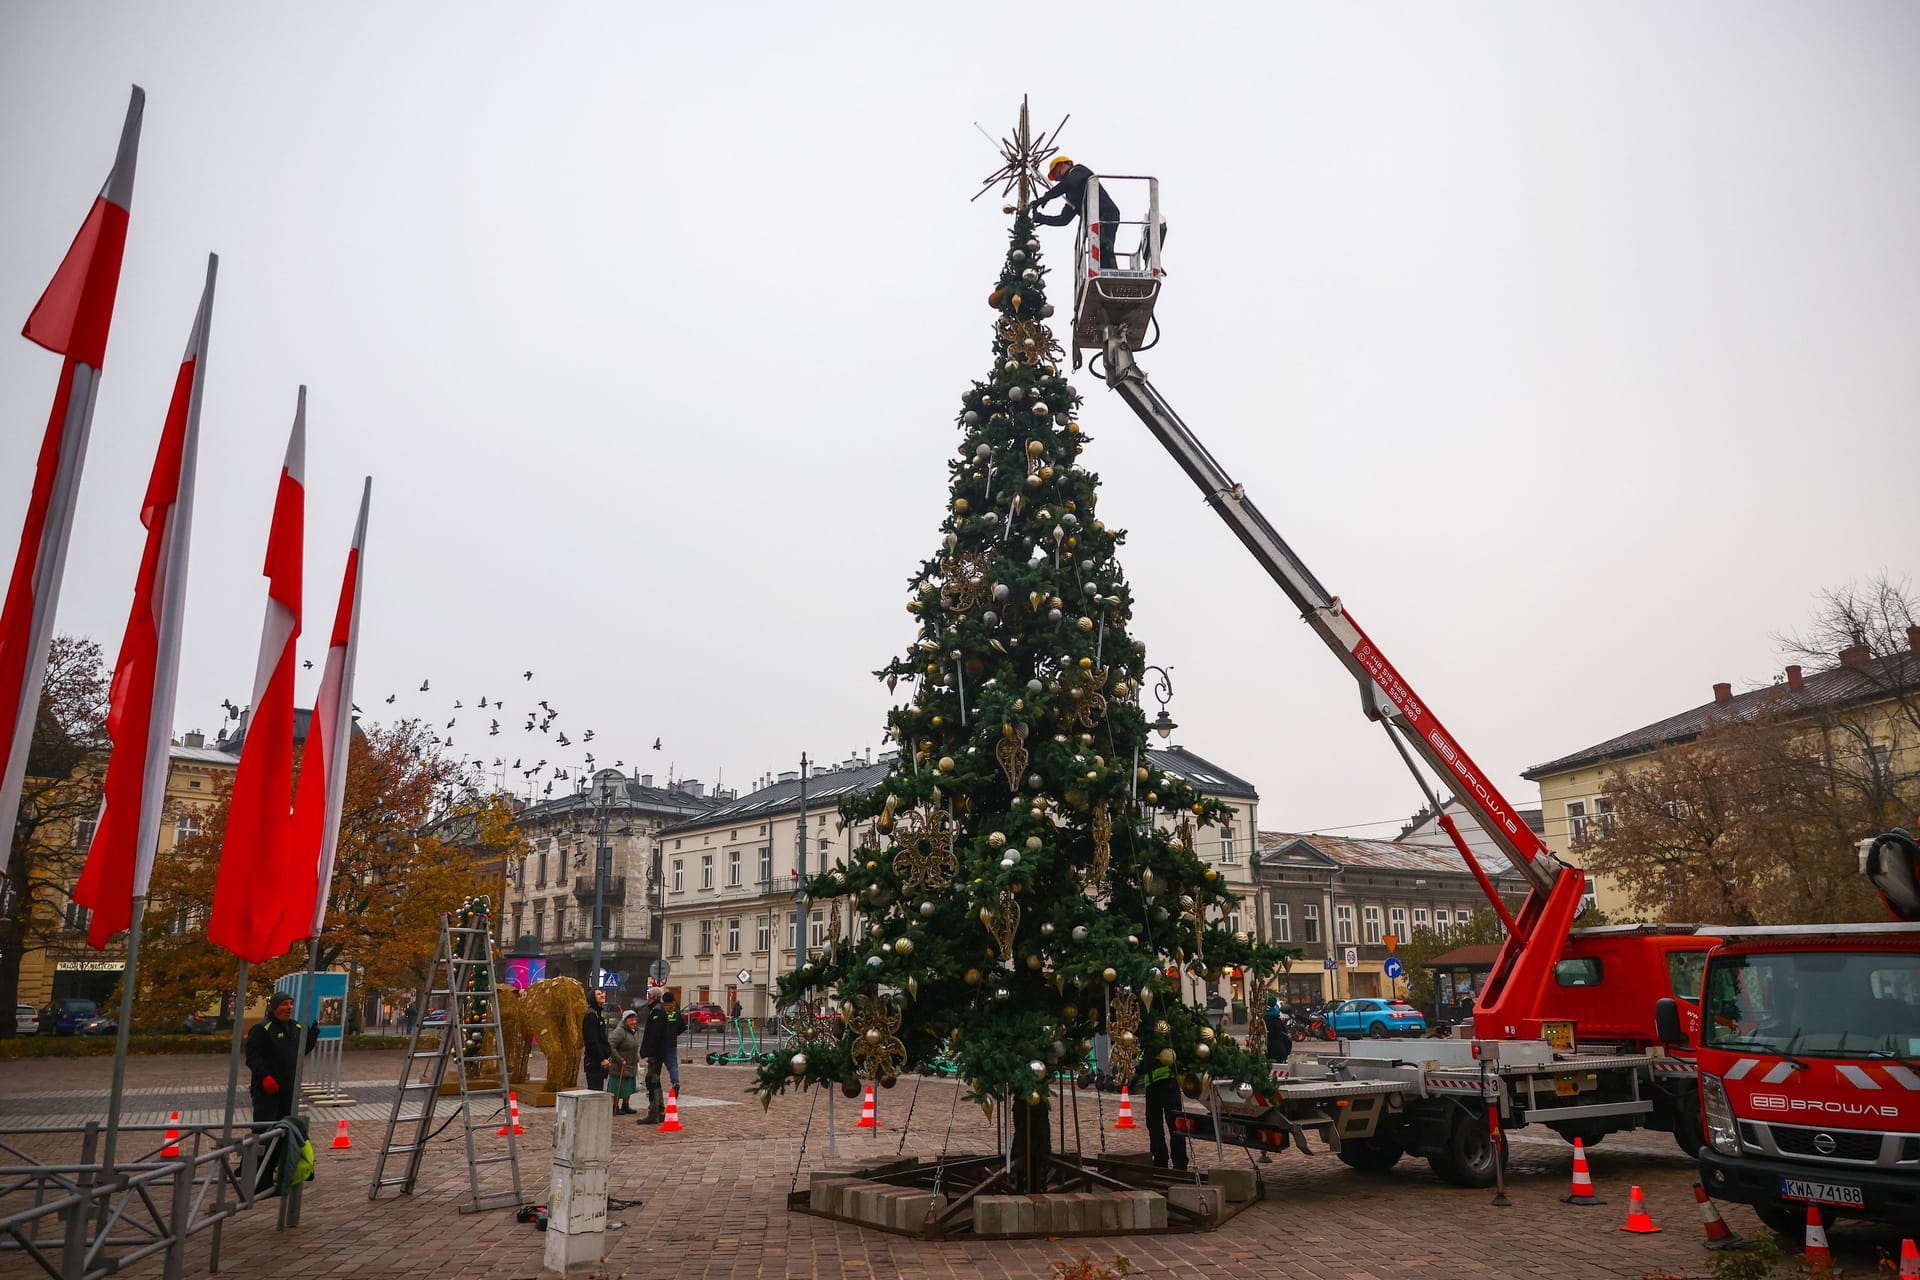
800 865
602 853
1163 723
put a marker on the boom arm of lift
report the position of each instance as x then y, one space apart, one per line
1892 863
1509 1007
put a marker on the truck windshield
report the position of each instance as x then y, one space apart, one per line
1814 1003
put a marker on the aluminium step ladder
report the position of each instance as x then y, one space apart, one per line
462 984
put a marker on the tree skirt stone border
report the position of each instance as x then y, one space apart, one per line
970 1198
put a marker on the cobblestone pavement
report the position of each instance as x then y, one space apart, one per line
712 1199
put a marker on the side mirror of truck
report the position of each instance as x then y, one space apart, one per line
1666 1022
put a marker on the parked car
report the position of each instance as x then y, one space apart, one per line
98 1025
1376 1017
199 1024
63 1017
26 1020
434 1018
705 1015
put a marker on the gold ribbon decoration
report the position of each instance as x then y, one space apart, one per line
1004 921
872 1022
923 850
1082 687
966 575
1097 883
1123 1031
1011 752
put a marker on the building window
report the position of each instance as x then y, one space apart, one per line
77 916
733 936
560 919
1440 926
706 871
793 930
1226 846
1397 917
1343 923
733 868
679 876
817 929
1577 819
1372 917
540 921
540 881
1421 919
766 866
186 825
83 832
706 938
613 926
673 939
1282 923
1233 920
519 920
1603 813
1461 915
1310 922
762 933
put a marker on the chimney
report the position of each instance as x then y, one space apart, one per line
1913 636
790 775
194 739
1793 677
1855 655
646 779
1723 693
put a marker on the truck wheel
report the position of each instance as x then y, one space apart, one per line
1372 1155
1781 1219
1376 1030
1688 1134
1467 1160
1587 1138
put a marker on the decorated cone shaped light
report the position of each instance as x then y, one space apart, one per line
1817 1253
867 1118
1909 1260
513 1114
672 1123
1125 1118
1637 1219
341 1142
1582 1178
172 1148
1719 1234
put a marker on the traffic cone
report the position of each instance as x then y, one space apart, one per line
1909 1261
1719 1234
1637 1220
513 1114
172 1148
867 1119
1817 1254
672 1123
1582 1178
1125 1118
341 1142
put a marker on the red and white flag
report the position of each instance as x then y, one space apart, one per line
71 319
255 863
323 769
146 674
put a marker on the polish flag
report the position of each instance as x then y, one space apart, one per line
71 319
146 675
255 863
323 769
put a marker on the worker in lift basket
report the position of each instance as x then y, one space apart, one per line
1070 184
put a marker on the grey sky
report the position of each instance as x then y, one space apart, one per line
1573 345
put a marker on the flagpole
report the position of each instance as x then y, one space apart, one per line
233 1083
120 1042
289 1162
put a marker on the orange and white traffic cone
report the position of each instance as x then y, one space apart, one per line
1909 1261
1637 1220
513 1114
867 1119
1125 1118
341 1142
672 1123
1817 1254
172 1148
1719 1234
1582 1178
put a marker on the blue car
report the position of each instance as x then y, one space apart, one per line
1376 1017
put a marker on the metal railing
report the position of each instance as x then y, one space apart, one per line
79 1220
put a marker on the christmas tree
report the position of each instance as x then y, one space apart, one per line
1025 894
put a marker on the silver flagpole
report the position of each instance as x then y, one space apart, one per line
120 1042
290 1158
233 1083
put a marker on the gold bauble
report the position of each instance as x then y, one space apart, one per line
1016 302
1035 448
946 764
1203 1050
1207 1034
972 980
1046 473
1086 664
1153 797
1033 1098
1109 974
903 947
1168 1057
1069 1011
914 606
1085 624
937 721
932 669
1199 808
997 840
1034 963
1162 1028
1210 875
1072 543
960 504
1140 774
872 866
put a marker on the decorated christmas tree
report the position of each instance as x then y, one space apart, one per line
1028 877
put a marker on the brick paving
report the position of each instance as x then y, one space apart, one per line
713 1197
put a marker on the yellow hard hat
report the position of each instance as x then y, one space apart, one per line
1054 166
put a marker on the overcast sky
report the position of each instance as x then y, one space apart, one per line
1574 346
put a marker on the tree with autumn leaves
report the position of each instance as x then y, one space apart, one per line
411 843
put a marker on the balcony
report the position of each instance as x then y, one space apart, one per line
616 889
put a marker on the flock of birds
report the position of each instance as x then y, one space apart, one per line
469 775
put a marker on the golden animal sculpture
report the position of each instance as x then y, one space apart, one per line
551 1010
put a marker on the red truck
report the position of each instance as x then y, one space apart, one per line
1809 1059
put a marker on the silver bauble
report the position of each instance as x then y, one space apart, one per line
972 418
1038 1068
1040 409
1000 592
1029 274
1079 933
991 618
873 962
1016 392
1244 1089
1046 929
927 909
798 1064
1046 310
1033 246
1053 615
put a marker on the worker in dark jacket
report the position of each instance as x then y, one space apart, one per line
1070 186
658 1035
1163 1104
273 1050
1279 1032
597 1051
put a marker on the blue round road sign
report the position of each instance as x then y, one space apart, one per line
1393 967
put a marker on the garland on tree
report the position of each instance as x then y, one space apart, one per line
1038 878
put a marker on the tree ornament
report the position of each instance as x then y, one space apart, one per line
1109 974
903 947
1163 1028
797 1064
1080 935
927 910
972 977
1046 929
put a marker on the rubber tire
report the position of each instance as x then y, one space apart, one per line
1689 1134
1376 1030
1328 1033
1466 1161
1372 1155
1780 1217
1297 1032
1567 1135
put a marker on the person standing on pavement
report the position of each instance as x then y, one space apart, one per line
656 1046
1163 1104
625 1042
273 1052
1279 1034
597 1052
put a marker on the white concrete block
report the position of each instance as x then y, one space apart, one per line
577 1201
583 1128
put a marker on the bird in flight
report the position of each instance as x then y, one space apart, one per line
656 744
588 737
562 740
526 675
494 732
391 697
307 663
458 705
423 685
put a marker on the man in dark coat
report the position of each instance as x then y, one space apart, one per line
597 1053
273 1051
1279 1034
660 1030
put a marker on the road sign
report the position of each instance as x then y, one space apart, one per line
659 971
1332 963
1353 957
745 976
1393 967
1392 941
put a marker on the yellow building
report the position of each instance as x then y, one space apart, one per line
1863 704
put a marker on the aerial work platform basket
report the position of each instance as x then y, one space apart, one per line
1117 266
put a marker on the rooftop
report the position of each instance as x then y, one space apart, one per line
1373 855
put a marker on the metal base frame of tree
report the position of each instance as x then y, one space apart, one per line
1025 878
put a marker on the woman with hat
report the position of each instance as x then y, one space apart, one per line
626 1061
